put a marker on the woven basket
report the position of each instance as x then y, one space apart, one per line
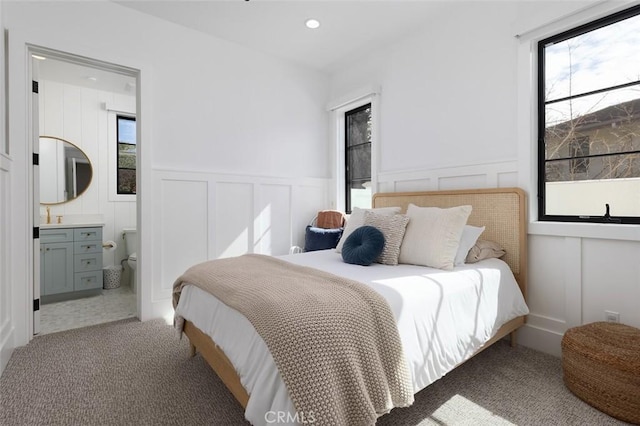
601 365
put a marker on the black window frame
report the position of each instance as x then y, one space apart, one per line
118 168
542 161
348 149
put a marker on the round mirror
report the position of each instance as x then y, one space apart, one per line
65 170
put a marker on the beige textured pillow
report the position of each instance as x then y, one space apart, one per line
392 227
484 249
433 236
356 220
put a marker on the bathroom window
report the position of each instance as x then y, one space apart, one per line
126 161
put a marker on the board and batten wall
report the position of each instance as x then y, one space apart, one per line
221 215
456 103
233 153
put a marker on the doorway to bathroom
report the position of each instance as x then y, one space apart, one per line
84 113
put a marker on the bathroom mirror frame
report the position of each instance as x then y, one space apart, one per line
81 167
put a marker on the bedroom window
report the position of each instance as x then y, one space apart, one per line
126 160
589 122
357 157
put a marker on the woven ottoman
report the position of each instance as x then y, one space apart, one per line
601 365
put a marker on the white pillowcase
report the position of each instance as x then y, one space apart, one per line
356 220
470 235
433 235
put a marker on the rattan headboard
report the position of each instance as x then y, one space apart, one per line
501 210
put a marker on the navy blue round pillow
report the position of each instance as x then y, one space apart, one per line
363 246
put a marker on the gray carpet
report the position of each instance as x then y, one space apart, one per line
133 373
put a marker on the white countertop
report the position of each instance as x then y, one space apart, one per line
70 225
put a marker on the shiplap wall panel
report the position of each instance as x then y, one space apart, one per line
90 112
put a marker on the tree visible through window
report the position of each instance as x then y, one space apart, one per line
589 121
358 157
126 169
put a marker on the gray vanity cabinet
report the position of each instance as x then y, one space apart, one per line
70 260
56 267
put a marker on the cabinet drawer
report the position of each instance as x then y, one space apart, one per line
61 235
84 247
87 262
88 280
87 234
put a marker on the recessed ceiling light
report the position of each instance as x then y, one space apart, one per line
92 78
312 23
38 57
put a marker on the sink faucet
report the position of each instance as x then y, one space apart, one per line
48 214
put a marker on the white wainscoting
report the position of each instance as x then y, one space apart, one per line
6 323
574 280
499 174
574 274
201 216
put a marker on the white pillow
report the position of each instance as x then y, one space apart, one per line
433 235
356 220
470 235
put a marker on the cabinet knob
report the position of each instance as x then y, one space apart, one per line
47 248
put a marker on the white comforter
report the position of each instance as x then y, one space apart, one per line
443 318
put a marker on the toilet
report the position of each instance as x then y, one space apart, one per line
131 247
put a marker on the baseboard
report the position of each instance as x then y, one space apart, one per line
162 308
540 339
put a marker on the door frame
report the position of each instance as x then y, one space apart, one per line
18 41
35 183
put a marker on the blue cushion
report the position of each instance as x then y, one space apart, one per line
321 238
363 246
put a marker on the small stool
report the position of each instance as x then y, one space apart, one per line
601 365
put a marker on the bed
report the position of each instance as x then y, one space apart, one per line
242 361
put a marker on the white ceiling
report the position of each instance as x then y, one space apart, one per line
349 29
85 76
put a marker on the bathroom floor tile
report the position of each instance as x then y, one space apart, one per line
111 305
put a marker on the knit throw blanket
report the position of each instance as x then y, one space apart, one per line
334 340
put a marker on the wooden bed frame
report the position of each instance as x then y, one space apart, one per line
502 211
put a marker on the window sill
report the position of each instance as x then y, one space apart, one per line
605 231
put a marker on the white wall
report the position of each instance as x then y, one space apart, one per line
78 114
7 335
208 108
452 116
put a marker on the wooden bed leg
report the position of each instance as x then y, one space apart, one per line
513 339
192 348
